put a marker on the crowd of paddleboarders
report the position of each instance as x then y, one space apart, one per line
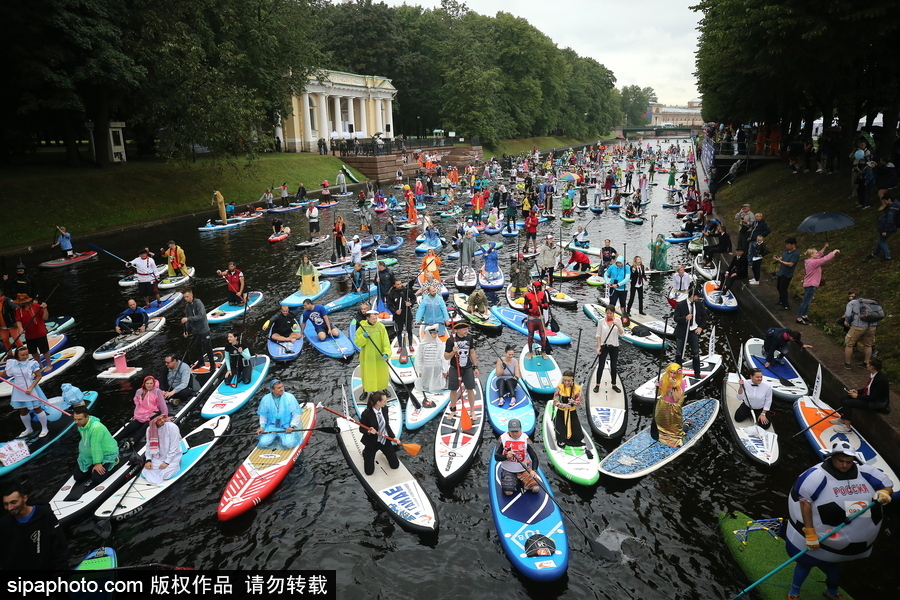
437 359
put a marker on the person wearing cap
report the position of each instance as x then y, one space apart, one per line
822 498
355 248
374 350
755 397
25 373
745 218
196 323
64 241
875 396
234 280
145 270
537 308
31 318
174 254
470 227
463 370
531 225
23 285
318 314
618 278
163 450
375 425
132 319
690 320
777 340
431 366
279 414
512 450
548 259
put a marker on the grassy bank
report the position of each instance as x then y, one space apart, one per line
526 144
786 199
89 199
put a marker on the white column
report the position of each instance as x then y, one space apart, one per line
323 116
336 104
364 117
351 113
390 116
307 141
379 121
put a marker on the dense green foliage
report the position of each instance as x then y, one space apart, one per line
635 103
786 62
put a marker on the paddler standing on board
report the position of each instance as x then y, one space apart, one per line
219 201
460 351
374 350
175 257
279 414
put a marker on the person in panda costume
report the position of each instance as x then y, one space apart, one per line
820 500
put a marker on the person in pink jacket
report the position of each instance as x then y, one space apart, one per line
813 278
148 401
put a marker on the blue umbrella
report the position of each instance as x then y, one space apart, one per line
825 222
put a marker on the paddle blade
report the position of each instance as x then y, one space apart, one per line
602 552
465 419
414 400
412 449
328 429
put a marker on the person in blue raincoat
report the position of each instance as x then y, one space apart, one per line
432 310
491 257
278 411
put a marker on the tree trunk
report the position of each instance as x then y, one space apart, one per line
101 134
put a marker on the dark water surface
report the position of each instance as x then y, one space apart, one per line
320 517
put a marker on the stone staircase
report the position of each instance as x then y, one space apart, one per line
383 168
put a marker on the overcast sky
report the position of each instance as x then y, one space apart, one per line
643 42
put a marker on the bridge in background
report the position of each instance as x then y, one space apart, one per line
658 131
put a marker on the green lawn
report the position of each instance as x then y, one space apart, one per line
90 199
786 199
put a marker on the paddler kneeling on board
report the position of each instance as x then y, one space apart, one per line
567 399
279 414
375 421
163 450
512 449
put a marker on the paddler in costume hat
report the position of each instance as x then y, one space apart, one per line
279 414
219 201
175 256
567 399
670 400
374 350
431 366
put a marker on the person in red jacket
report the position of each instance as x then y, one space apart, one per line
531 224
579 260
477 207
536 306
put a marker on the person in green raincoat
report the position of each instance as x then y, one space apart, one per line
659 249
671 177
374 352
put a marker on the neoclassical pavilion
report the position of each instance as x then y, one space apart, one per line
339 105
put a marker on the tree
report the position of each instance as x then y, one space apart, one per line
635 103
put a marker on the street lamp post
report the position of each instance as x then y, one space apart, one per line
419 127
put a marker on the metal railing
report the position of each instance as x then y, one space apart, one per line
384 146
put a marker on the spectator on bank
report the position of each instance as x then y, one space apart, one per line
874 396
759 228
788 260
886 226
885 176
815 259
859 331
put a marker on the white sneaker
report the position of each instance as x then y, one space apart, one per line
754 282
25 433
838 421
44 433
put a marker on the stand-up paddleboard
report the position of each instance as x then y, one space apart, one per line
59 324
396 491
540 373
57 428
389 245
226 312
515 303
99 560
486 322
60 362
481 250
341 261
283 350
821 435
338 346
395 410
228 399
579 464
432 404
165 303
290 208
75 500
709 366
530 527
131 280
297 298
55 341
403 369
491 281
781 375
129 341
703 271
697 243
759 444
640 336
313 242
366 266
466 278
716 300
369 241
516 320
424 246
759 550
519 407
278 237
672 238
641 455
607 409
567 274
635 220
263 471
66 261
592 250
555 296
129 500
454 447
350 300
168 283
210 226
661 327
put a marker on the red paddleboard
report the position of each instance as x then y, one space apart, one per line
278 238
62 262
262 472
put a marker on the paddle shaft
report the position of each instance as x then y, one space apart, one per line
93 247
325 429
104 528
738 369
409 392
831 414
21 389
804 551
370 429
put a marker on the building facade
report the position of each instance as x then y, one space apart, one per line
337 105
661 114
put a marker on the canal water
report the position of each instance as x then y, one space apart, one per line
664 524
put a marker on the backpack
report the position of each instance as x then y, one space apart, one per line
870 311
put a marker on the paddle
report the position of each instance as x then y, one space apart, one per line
411 449
103 527
836 411
93 247
323 429
804 550
654 430
409 392
333 244
597 548
154 565
35 397
465 419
